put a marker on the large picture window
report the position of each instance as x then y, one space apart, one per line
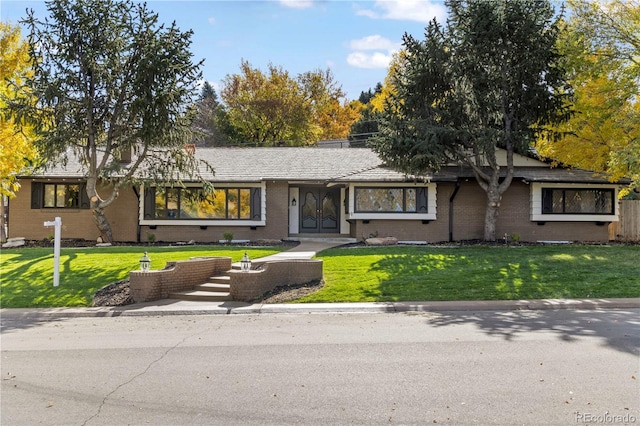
390 200
51 195
194 204
578 201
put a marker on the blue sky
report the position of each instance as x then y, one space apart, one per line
355 39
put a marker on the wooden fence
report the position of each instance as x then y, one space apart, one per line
628 228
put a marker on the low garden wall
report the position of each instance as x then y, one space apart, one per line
180 275
248 285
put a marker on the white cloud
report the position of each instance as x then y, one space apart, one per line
374 42
376 60
297 4
406 10
211 20
371 52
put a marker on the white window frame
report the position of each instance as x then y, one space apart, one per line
211 222
431 202
536 204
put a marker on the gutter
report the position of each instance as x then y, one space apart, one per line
453 196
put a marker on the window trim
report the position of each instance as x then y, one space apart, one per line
210 222
537 214
431 202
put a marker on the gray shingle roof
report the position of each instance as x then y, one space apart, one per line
327 165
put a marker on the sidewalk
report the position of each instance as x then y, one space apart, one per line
306 250
181 307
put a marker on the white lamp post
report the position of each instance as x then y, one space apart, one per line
245 263
145 263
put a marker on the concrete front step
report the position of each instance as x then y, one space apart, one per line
214 287
201 296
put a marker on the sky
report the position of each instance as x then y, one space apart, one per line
355 39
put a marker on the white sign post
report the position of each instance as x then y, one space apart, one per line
57 224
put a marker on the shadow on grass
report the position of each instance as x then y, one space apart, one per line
620 329
503 273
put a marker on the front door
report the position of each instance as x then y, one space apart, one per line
320 210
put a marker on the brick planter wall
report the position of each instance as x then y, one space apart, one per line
176 276
249 285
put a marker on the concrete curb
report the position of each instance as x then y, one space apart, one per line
174 307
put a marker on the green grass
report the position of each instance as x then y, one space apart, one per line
26 275
352 274
478 273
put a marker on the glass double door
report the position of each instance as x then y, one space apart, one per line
319 210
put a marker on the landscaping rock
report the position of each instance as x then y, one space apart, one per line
14 242
384 241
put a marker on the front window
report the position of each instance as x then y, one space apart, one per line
194 203
390 200
577 201
61 195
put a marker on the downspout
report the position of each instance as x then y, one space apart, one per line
455 191
138 229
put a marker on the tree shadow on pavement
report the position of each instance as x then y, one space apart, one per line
619 329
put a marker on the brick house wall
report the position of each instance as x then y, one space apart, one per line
76 223
468 219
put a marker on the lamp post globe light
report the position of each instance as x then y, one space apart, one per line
245 263
145 263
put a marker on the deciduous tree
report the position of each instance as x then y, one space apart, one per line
278 109
17 151
489 79
111 81
602 44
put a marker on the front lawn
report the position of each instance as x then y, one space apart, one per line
26 275
426 273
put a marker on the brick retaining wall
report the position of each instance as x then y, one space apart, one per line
249 285
176 276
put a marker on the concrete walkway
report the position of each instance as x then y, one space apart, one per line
307 249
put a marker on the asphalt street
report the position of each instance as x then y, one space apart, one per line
548 367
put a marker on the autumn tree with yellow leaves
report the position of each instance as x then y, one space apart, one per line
601 43
274 108
17 152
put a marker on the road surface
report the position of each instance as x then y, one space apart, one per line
466 368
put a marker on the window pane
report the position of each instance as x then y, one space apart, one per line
161 203
219 204
172 203
73 199
578 201
61 195
232 203
245 204
604 202
380 199
410 206
557 201
49 195
190 203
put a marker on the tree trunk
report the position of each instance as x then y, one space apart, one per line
3 234
103 224
491 214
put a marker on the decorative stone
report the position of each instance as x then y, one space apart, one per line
14 242
383 241
103 245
